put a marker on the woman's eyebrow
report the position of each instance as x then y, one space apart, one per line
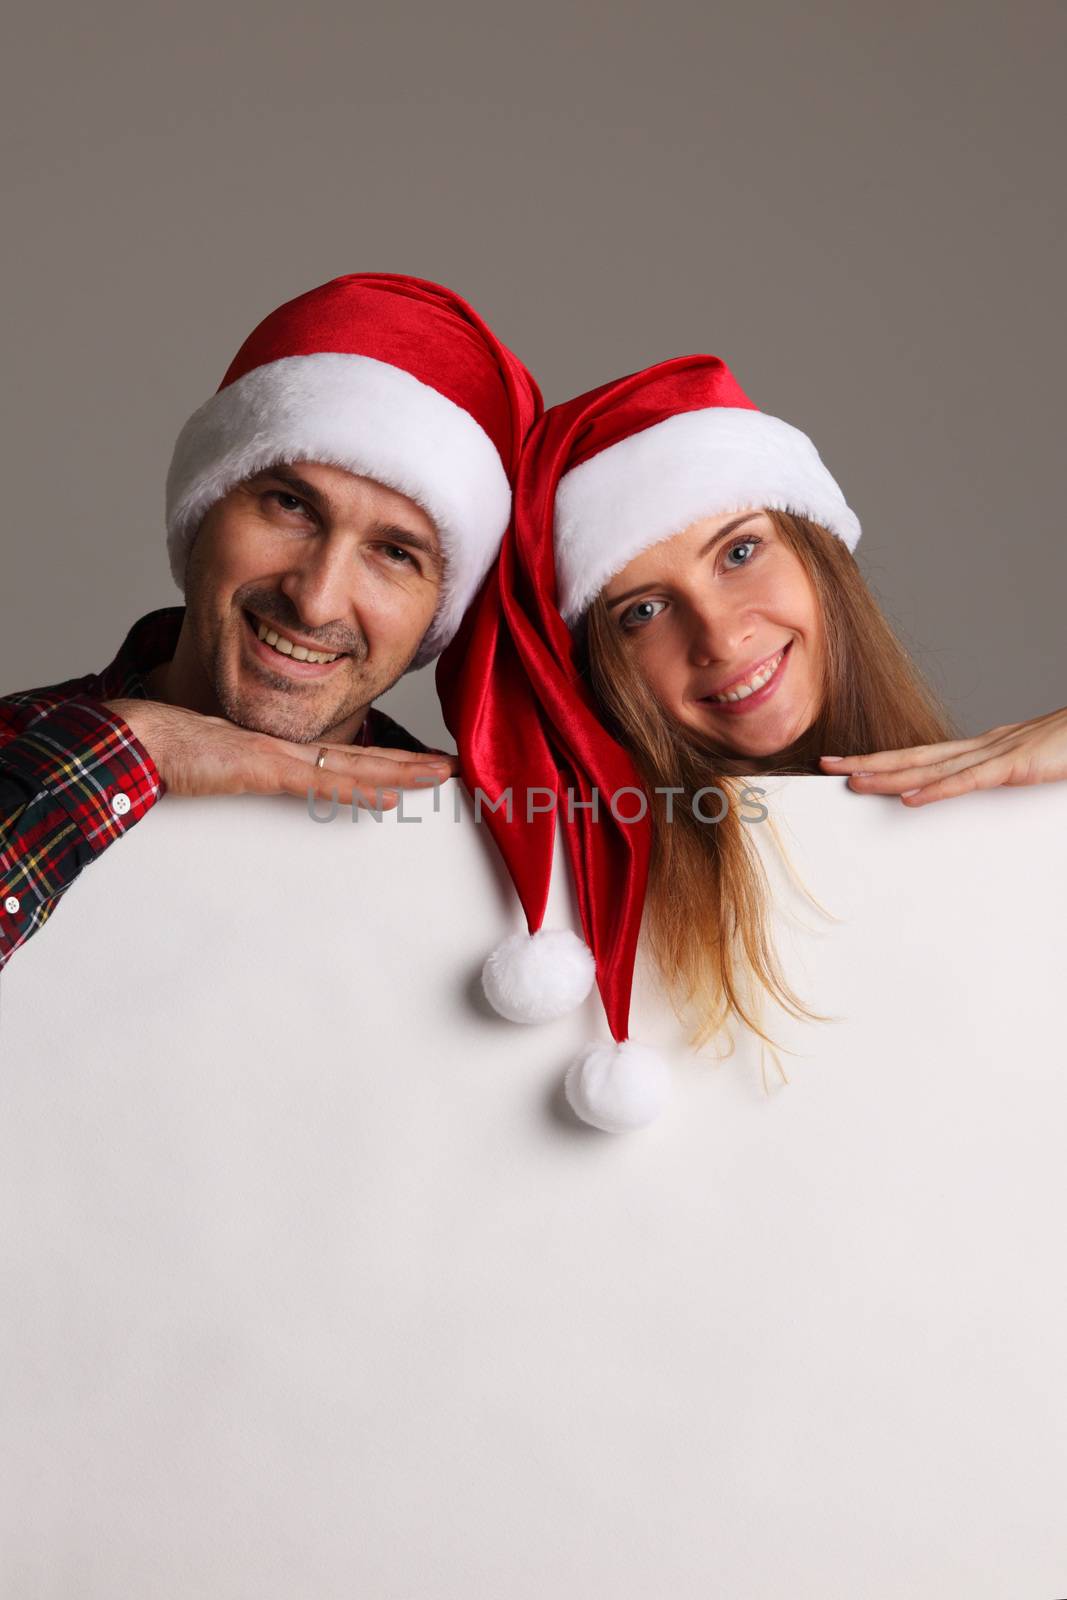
715 539
729 528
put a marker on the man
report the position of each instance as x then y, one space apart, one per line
331 512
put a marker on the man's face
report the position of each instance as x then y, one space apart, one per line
328 562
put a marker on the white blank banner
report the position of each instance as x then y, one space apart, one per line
311 1286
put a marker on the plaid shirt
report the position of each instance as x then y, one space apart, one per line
73 778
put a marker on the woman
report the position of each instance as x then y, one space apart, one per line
677 605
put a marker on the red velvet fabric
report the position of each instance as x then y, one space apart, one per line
516 705
410 323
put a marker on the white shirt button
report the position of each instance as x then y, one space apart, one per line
120 803
11 903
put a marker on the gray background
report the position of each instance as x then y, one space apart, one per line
860 209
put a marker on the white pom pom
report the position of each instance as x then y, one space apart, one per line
618 1087
538 977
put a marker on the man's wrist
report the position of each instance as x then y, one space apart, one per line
139 717
86 754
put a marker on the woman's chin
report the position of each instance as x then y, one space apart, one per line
761 733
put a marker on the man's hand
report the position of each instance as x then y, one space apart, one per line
198 755
1016 753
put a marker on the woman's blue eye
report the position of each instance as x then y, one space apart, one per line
633 618
742 544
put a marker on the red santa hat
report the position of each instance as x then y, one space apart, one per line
602 478
390 377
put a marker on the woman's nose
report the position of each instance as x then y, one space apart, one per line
717 635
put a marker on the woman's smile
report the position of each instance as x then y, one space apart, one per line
753 688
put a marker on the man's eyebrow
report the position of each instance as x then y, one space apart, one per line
383 530
414 541
715 539
301 485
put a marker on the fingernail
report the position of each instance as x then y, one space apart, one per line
907 793
831 758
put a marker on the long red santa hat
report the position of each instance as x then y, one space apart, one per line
391 377
602 477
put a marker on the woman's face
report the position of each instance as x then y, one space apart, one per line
723 622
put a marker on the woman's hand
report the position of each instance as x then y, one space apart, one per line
1017 753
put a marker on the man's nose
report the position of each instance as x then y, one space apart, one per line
320 581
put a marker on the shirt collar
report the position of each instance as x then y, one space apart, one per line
152 640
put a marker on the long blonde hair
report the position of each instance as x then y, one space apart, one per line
706 905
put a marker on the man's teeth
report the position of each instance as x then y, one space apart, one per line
286 647
741 691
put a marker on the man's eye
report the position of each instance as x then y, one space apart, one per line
397 550
287 502
641 612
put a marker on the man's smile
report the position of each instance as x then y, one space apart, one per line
282 652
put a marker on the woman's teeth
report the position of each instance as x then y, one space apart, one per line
286 647
741 691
